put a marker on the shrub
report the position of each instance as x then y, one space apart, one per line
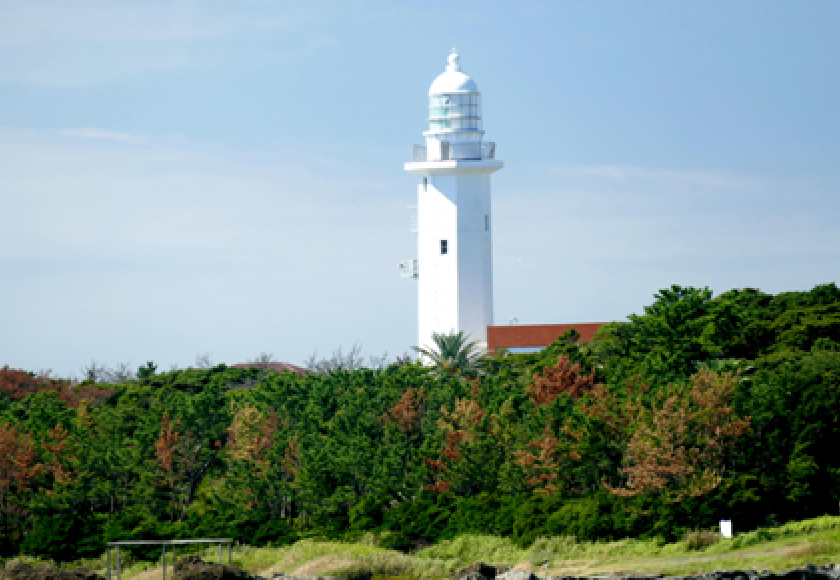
699 539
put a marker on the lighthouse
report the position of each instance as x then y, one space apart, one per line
454 266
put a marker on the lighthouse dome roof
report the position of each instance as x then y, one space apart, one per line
452 80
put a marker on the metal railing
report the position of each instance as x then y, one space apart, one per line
458 151
162 544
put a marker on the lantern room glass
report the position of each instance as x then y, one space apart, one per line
455 111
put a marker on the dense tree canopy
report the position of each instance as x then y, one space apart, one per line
702 407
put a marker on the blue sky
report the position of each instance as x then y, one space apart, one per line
187 177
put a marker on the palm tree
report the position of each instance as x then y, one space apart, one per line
452 353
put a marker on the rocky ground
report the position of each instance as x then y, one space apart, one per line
193 568
482 572
16 570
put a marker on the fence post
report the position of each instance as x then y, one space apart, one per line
108 561
118 563
220 552
163 547
229 545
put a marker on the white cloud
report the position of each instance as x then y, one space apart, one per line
103 134
54 42
594 243
27 22
664 177
142 249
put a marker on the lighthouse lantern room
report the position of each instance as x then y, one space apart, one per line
454 267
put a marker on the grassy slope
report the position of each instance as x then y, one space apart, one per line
812 541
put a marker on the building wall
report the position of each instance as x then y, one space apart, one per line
455 291
475 256
437 292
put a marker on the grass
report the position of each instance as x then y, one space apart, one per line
793 545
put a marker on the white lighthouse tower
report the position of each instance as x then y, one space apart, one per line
454 249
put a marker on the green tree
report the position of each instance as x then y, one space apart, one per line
146 371
452 353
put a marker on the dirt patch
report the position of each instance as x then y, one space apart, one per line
153 574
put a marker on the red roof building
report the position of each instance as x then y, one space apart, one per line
273 366
531 337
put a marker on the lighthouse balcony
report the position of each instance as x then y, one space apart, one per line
448 151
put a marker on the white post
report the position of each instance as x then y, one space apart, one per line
726 528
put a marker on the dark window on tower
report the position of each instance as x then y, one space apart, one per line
444 246
425 183
486 222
